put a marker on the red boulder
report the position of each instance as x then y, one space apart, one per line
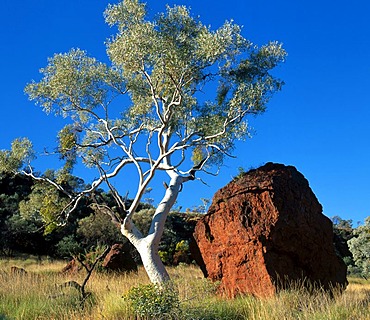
119 259
264 230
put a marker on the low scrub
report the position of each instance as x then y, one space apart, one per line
38 294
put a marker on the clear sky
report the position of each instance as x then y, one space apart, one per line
319 122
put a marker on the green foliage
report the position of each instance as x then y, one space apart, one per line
74 81
182 253
23 204
13 189
182 246
343 232
178 231
28 208
17 233
360 248
165 256
44 204
68 247
98 229
17 224
67 138
161 64
24 235
143 219
154 301
241 173
341 224
21 153
198 155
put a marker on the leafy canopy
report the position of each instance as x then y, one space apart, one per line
147 107
360 248
162 65
13 159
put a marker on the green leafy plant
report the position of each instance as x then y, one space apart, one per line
182 246
165 256
154 301
360 248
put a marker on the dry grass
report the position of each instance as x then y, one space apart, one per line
37 296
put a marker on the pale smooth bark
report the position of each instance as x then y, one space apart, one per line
148 246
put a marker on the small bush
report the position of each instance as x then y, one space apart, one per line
154 301
165 257
68 247
182 246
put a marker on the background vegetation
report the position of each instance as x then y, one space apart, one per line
22 229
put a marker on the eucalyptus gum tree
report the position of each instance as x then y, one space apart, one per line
166 123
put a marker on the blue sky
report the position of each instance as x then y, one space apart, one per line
319 122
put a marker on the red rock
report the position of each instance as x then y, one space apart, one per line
72 267
263 231
119 259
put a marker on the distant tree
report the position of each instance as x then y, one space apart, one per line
98 230
25 235
205 203
147 110
341 224
343 231
360 248
43 205
69 246
13 189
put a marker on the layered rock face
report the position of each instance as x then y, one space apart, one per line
263 231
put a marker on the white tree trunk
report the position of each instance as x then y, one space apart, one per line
152 263
148 246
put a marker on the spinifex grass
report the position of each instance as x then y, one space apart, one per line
37 295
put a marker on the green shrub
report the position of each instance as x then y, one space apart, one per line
165 256
154 301
360 248
182 246
68 247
